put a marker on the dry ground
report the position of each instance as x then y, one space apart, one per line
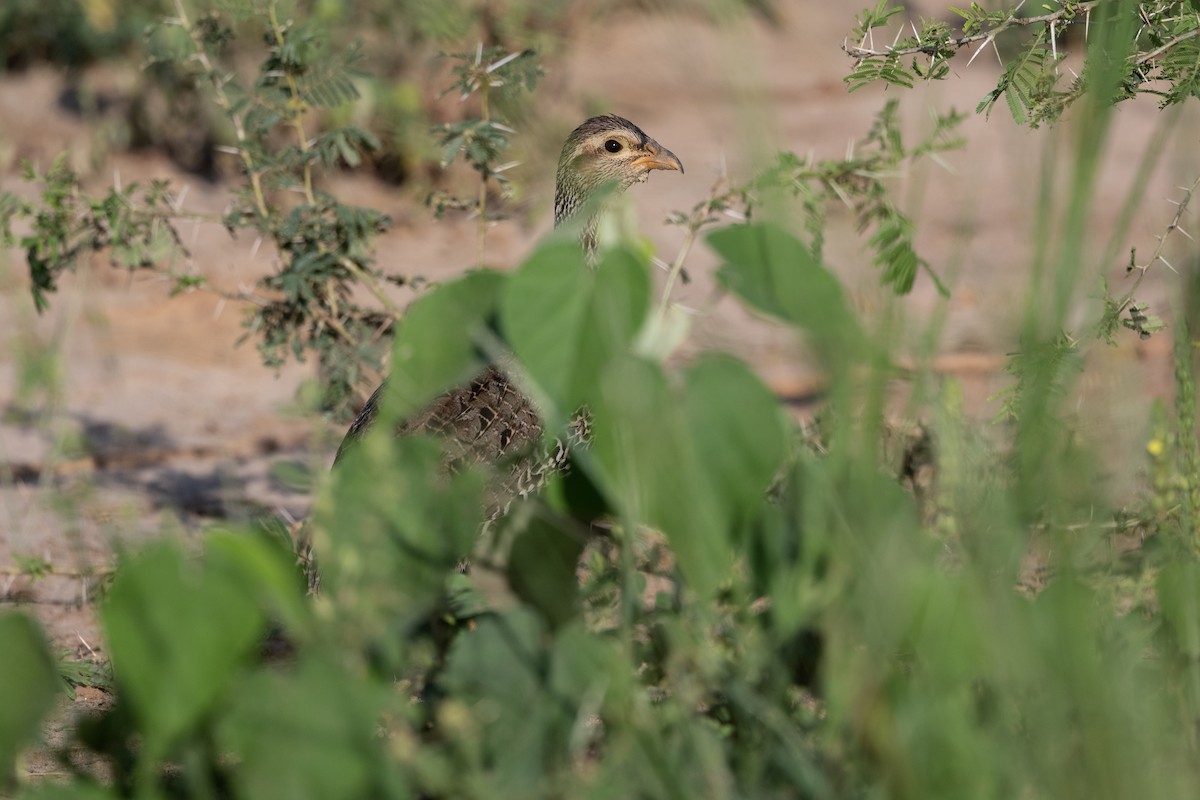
175 426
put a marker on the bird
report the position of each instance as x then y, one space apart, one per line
488 420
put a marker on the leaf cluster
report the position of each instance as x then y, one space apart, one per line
859 181
1159 55
324 246
751 619
134 225
500 79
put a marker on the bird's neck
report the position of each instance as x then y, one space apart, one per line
570 199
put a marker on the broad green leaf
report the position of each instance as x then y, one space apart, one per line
649 469
311 732
1179 597
541 570
544 313
565 321
393 526
774 272
177 631
591 672
499 670
267 570
28 684
437 344
738 431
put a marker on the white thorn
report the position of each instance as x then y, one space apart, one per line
503 61
975 55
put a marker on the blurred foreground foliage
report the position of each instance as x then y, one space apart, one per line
714 602
756 616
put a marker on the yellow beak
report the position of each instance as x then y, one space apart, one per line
658 157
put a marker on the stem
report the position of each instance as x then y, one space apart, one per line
296 107
1180 210
483 174
677 266
239 128
862 53
373 285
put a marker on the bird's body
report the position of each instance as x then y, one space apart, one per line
488 420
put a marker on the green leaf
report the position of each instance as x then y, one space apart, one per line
393 527
498 669
28 684
649 469
591 671
541 570
177 632
436 346
310 733
774 272
738 430
266 567
1179 597
565 322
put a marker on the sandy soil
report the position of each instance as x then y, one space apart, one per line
175 426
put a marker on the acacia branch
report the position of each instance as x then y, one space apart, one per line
1181 209
296 107
1066 13
223 101
1158 51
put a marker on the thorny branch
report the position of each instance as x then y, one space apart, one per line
1068 12
226 105
720 200
1181 209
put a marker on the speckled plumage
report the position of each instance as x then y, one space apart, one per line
488 420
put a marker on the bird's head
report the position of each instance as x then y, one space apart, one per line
607 150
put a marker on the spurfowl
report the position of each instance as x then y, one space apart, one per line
488 420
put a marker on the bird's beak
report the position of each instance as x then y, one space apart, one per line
658 157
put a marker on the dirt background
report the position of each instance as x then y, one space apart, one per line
171 426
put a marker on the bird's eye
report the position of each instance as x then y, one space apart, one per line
612 146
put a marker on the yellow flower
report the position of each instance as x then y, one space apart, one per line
100 14
1155 447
